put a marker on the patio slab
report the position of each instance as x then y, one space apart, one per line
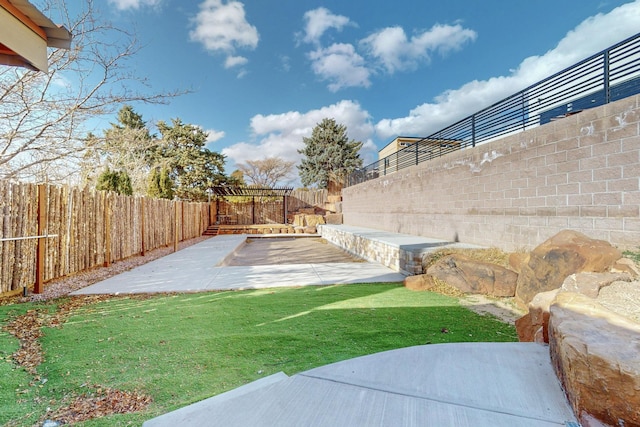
467 384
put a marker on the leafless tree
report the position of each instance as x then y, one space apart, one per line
45 117
268 172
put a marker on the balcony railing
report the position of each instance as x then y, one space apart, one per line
605 77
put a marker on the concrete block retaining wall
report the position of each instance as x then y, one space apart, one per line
581 172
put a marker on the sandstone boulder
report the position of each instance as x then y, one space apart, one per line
307 220
298 220
419 282
622 297
333 218
565 253
626 265
313 220
476 277
517 260
534 325
596 355
589 284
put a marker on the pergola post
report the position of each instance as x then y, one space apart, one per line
284 208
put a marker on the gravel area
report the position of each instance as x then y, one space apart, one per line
65 285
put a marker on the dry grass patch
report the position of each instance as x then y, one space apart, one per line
489 255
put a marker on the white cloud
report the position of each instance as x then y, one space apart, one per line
280 135
341 65
214 135
391 47
319 20
234 61
224 28
285 62
591 36
134 4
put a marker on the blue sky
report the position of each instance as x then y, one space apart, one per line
263 73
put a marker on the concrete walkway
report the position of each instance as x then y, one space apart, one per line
467 384
196 269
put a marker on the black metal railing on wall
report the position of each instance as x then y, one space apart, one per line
605 77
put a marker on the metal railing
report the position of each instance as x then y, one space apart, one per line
608 76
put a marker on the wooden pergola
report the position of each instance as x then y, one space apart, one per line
225 191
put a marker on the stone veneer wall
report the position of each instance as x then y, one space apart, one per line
581 172
369 249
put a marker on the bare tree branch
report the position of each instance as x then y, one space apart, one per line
44 117
267 172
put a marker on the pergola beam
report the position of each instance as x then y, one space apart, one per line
227 191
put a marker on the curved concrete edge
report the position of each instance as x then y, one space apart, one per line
470 384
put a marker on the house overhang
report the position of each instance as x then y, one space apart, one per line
25 34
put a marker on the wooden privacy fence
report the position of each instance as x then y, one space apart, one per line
254 212
48 232
267 210
301 198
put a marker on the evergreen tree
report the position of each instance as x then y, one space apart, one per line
160 185
117 181
126 146
193 168
329 156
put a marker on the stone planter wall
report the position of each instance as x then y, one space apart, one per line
407 261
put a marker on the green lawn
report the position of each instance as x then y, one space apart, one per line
179 349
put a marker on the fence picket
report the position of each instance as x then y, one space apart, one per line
79 220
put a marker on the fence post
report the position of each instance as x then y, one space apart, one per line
107 231
175 228
142 199
40 246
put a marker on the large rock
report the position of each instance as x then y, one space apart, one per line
419 282
589 284
565 253
313 220
533 326
517 260
333 218
622 297
627 266
596 354
298 220
474 277
307 220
